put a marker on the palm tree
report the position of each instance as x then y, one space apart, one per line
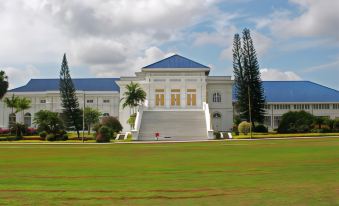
3 84
133 96
11 102
22 105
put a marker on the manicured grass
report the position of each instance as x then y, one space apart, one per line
265 172
275 135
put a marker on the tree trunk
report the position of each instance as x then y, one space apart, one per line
89 128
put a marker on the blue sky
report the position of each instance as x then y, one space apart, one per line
295 39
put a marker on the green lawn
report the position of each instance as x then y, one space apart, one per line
264 172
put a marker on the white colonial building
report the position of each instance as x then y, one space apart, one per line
183 101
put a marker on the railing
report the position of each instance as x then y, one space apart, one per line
209 130
137 123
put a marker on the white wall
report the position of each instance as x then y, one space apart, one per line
53 103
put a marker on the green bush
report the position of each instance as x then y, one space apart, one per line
64 137
50 137
43 135
260 128
244 127
112 123
19 129
296 122
235 129
217 135
104 135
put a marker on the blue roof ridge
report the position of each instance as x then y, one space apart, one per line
171 57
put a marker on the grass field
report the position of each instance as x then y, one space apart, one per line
263 172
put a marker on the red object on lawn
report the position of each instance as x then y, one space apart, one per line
157 134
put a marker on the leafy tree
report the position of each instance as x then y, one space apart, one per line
319 121
70 103
133 96
91 117
248 84
112 123
3 84
22 105
296 122
48 121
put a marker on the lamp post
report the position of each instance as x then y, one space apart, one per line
249 109
83 118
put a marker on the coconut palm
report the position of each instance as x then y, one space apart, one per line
3 84
11 102
22 105
133 96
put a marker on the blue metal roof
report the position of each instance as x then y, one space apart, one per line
297 91
175 61
87 84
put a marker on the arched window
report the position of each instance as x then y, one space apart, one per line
217 97
11 119
216 115
105 115
28 119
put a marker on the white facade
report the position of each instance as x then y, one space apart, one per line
105 102
192 87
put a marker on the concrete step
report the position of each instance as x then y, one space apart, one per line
178 125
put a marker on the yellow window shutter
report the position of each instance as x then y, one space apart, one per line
162 99
172 99
178 99
188 99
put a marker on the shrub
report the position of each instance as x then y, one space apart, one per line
50 137
217 135
336 125
112 123
64 137
19 129
260 128
235 129
43 135
296 122
104 134
4 131
244 127
31 131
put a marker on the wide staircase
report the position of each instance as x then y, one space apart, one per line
173 125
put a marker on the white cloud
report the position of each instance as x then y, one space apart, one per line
18 76
108 36
316 18
276 75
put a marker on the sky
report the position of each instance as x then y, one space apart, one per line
294 39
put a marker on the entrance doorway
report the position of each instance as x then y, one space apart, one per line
217 121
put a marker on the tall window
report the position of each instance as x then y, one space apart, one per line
217 97
175 97
191 97
159 97
28 119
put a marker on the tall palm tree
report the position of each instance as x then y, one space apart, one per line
11 102
133 96
3 84
22 105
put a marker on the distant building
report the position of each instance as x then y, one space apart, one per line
284 96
